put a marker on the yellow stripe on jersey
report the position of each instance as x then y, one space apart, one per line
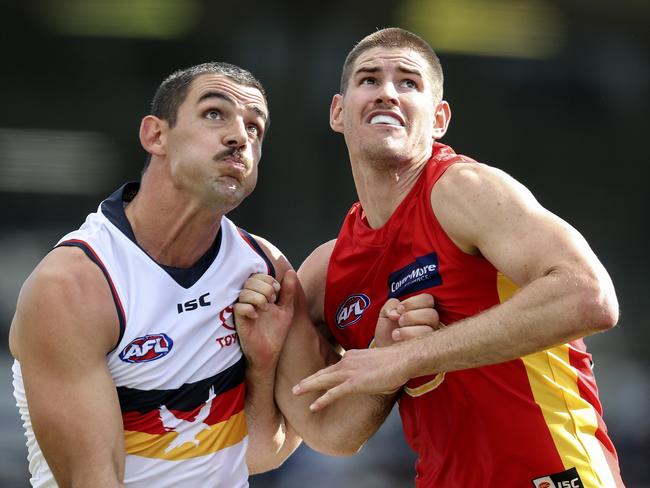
426 387
505 287
571 420
166 446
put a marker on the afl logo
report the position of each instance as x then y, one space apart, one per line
350 311
147 348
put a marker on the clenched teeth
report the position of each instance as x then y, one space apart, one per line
385 119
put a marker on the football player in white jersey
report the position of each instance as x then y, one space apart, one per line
204 139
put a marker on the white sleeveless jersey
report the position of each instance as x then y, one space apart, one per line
178 367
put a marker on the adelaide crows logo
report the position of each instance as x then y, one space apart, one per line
350 311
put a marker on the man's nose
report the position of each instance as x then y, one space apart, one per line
236 135
387 93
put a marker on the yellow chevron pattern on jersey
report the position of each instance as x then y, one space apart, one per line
571 420
211 439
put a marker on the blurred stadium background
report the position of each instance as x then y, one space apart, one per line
555 92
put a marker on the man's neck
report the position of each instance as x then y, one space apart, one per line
382 187
170 227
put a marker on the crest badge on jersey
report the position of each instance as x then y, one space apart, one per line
147 348
351 310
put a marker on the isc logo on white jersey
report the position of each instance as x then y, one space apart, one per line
147 348
350 311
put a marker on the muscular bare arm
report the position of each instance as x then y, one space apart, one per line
271 439
343 428
65 324
565 291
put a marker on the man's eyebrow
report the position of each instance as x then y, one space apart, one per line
367 69
215 94
222 96
261 113
375 69
411 71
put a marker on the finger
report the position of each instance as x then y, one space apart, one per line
407 333
288 289
389 308
263 284
329 397
254 298
320 380
266 278
244 310
422 316
423 300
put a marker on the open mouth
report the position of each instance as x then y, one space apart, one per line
386 119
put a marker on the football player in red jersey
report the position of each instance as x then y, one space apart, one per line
502 396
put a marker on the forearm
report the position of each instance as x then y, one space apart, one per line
271 439
554 309
343 427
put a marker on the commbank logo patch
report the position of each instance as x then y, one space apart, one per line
350 311
147 348
419 275
566 479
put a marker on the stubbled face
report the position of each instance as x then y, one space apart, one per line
387 113
216 144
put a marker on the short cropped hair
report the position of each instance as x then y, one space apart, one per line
394 37
172 91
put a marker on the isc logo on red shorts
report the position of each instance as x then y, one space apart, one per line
147 348
350 311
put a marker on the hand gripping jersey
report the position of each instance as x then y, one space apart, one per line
178 367
534 421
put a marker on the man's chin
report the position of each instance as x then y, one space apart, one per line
383 149
228 194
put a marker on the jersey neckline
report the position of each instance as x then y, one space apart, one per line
113 210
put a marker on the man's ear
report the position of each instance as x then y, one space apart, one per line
442 119
336 110
153 135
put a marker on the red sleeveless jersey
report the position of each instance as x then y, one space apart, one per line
534 421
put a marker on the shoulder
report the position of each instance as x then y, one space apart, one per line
279 261
477 179
66 274
469 197
65 297
314 267
313 277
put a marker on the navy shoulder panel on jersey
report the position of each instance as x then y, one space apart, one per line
256 247
95 259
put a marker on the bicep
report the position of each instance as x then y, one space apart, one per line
489 212
76 417
532 244
65 324
306 349
313 278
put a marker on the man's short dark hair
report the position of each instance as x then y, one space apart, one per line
394 37
172 91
